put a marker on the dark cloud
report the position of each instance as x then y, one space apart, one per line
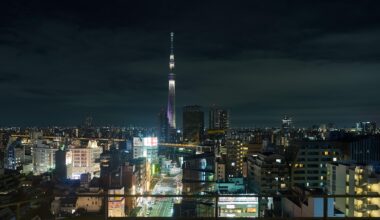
316 61
8 77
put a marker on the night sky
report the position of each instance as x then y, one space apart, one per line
316 61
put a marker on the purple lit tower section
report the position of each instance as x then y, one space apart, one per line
171 96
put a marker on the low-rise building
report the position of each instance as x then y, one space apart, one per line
68 205
90 203
116 204
233 185
238 206
302 202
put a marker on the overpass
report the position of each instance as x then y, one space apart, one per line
174 145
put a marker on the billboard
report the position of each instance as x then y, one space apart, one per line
150 141
145 142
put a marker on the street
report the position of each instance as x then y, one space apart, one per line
162 207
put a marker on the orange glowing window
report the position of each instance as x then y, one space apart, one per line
251 210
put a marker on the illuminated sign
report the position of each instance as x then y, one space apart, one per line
150 141
230 206
238 200
145 142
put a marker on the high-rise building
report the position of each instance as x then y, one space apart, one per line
310 159
44 157
267 173
286 123
354 179
193 124
18 155
198 173
236 155
366 127
10 155
162 126
60 164
145 147
109 164
220 169
364 149
171 95
218 119
4 137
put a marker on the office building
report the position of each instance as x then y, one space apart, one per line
366 128
14 155
146 147
218 119
220 169
308 167
44 157
60 164
193 124
268 173
162 126
85 159
287 123
364 149
82 162
198 173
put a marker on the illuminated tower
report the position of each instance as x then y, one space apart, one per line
171 96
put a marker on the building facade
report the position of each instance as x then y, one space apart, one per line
236 154
43 157
116 204
355 179
308 167
193 124
218 119
268 173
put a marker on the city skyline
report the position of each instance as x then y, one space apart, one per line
259 60
189 109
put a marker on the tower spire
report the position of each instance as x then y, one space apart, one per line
171 42
171 94
171 60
